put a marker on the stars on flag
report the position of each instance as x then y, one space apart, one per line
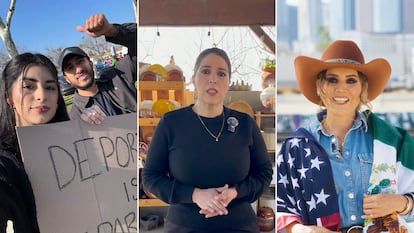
294 142
302 160
283 180
302 172
291 160
308 152
312 204
305 185
322 197
315 163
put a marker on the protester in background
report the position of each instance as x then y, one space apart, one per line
348 170
30 95
207 161
114 92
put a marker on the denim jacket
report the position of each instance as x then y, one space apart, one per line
351 167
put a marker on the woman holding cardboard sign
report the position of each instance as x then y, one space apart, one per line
30 95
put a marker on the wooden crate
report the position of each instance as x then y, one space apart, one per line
151 203
153 90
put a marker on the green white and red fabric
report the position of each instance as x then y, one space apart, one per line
393 165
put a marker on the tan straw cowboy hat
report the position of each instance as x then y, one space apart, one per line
341 53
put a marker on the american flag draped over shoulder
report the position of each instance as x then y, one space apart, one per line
305 186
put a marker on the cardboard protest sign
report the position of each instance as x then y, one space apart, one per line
84 177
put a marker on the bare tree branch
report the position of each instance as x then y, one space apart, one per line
5 31
10 13
2 26
53 54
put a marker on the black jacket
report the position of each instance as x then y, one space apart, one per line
16 196
118 83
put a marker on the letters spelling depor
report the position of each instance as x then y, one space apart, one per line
120 151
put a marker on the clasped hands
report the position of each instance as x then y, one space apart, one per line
214 201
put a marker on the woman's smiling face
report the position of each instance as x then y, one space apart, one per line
34 96
341 90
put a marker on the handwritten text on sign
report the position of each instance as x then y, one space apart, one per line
83 176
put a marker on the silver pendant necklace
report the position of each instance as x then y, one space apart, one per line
208 130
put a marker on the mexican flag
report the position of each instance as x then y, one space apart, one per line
392 171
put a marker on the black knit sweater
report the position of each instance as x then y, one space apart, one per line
182 156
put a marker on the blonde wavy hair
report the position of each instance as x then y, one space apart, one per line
364 101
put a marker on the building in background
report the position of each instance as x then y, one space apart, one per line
382 28
287 25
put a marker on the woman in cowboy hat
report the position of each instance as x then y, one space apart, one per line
348 170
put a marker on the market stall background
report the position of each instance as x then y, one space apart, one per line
245 29
182 29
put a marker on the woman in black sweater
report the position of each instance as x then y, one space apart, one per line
207 161
30 95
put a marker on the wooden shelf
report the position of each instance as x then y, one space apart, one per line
259 116
159 85
270 144
271 150
148 121
157 90
151 203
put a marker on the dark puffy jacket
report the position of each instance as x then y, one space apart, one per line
16 196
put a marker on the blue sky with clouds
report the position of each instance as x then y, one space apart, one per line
40 24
